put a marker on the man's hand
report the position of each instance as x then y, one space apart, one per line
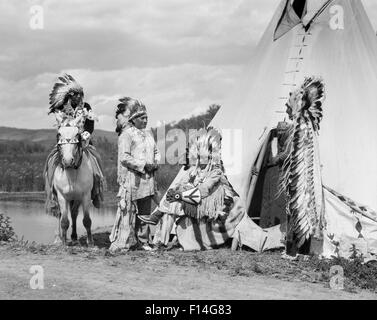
274 161
85 135
173 195
122 204
150 167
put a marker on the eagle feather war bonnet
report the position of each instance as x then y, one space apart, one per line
301 172
206 147
67 85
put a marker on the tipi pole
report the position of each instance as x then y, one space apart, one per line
253 183
258 166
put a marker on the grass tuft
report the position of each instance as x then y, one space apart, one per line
6 230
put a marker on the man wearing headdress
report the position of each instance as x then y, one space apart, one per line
203 200
67 103
138 161
300 176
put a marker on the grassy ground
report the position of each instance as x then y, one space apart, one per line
243 263
94 273
23 196
269 268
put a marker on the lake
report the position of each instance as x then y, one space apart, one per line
28 219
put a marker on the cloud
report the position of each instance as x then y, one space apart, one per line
169 92
176 56
117 34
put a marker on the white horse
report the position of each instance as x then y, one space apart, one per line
72 181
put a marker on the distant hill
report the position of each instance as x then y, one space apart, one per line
45 136
23 153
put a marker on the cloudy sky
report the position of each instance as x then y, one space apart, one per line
177 56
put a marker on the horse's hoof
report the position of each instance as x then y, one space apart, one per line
73 243
58 241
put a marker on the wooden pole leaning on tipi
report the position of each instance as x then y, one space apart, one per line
253 183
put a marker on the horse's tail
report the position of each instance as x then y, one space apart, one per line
51 205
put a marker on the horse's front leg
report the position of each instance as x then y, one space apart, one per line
74 213
87 221
64 221
58 232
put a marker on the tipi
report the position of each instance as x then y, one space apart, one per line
334 40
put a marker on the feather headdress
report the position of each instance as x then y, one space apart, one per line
306 102
137 108
122 114
206 150
207 146
301 173
67 85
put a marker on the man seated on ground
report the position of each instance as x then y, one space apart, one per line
202 199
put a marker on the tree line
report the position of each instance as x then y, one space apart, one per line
22 162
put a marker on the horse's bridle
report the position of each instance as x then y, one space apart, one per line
78 156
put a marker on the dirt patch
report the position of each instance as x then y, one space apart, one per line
94 273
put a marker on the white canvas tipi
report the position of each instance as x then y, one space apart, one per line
346 59
334 40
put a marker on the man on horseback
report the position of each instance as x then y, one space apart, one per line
66 102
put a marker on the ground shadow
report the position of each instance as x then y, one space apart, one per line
101 240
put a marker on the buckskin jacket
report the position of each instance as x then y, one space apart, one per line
137 148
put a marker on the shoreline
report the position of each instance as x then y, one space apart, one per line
37 196
110 198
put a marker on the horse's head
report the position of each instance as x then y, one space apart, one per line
69 145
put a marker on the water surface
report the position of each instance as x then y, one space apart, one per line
29 220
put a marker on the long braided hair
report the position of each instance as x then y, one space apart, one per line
121 115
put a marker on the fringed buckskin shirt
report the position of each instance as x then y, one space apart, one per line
136 148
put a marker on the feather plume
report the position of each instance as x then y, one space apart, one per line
61 89
300 172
